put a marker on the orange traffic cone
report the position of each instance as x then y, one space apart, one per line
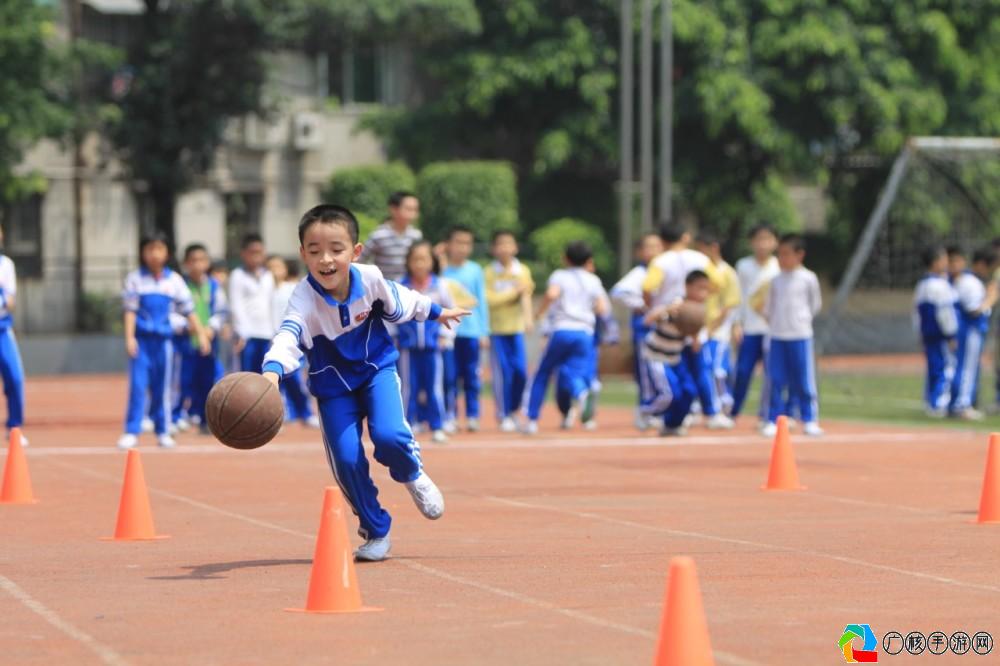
135 518
16 480
989 502
783 474
333 585
684 637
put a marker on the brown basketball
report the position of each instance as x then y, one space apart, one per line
244 410
690 318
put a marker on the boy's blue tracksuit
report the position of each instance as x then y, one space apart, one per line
10 357
199 373
462 363
936 321
421 366
973 325
152 300
352 373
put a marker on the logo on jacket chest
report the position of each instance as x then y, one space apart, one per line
361 316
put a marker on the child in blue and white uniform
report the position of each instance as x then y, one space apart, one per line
974 304
791 304
337 319
251 290
151 294
421 366
936 321
10 356
577 298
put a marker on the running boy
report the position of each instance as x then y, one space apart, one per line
792 302
508 293
628 293
474 330
974 305
151 293
935 318
674 386
251 289
750 330
421 365
577 298
10 356
336 317
298 403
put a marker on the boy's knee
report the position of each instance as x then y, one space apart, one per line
390 435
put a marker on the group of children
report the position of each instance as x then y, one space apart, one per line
952 307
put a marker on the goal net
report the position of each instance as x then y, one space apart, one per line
943 191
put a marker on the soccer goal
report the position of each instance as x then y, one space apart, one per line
940 190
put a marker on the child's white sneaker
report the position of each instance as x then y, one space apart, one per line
426 496
374 550
450 427
569 420
673 432
812 429
531 428
472 425
769 430
590 425
720 422
936 413
172 429
971 414
166 441
313 422
508 425
127 441
147 425
416 428
182 424
439 437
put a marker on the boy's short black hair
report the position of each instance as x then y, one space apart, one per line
707 237
694 276
795 241
396 198
761 228
954 251
672 232
192 248
930 254
500 233
250 239
578 253
984 255
459 229
330 214
292 265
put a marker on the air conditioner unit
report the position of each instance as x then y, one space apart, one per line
307 131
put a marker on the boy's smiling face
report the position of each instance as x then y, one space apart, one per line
327 251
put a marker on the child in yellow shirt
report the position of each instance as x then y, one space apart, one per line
508 293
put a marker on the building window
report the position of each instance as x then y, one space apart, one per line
22 226
357 74
242 217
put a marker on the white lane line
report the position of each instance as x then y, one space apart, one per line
104 653
723 657
744 542
539 443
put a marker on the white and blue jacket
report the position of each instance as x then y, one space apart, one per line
8 290
346 343
426 334
934 303
153 300
970 293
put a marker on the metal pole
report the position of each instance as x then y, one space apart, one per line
75 30
627 159
666 111
646 114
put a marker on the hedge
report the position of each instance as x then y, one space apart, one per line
366 189
548 244
478 195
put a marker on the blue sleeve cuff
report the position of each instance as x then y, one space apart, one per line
435 311
275 367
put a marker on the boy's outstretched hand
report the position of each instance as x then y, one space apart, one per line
449 316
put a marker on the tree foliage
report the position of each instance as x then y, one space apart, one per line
366 189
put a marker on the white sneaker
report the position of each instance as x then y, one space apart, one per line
450 427
416 428
971 414
531 428
590 425
426 496
439 437
374 550
812 429
182 424
640 421
936 413
692 420
166 442
313 422
172 429
508 425
570 419
127 441
472 425
673 432
769 430
147 425
792 424
720 422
